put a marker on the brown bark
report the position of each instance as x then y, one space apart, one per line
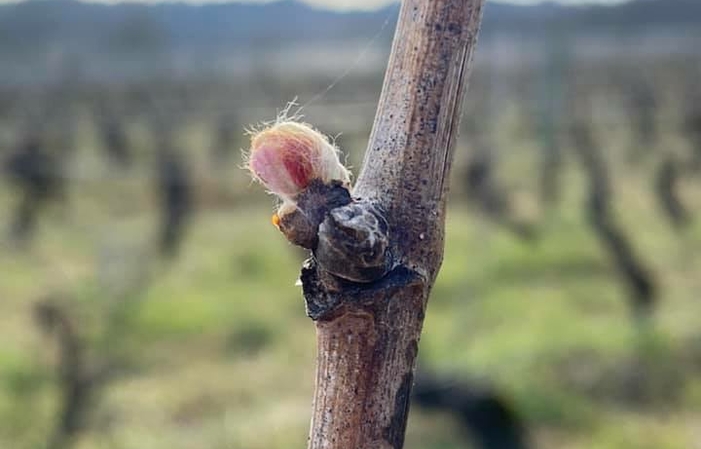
368 319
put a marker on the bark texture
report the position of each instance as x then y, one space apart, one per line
387 245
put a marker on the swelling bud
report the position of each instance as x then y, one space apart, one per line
287 156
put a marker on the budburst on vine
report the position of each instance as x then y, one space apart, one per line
287 155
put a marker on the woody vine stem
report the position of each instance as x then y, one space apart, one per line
377 247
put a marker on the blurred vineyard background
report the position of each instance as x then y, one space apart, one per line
146 301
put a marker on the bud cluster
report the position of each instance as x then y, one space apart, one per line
287 156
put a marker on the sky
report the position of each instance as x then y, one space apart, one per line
350 4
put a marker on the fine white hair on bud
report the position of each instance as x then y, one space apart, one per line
288 155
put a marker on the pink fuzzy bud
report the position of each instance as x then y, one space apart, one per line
288 155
